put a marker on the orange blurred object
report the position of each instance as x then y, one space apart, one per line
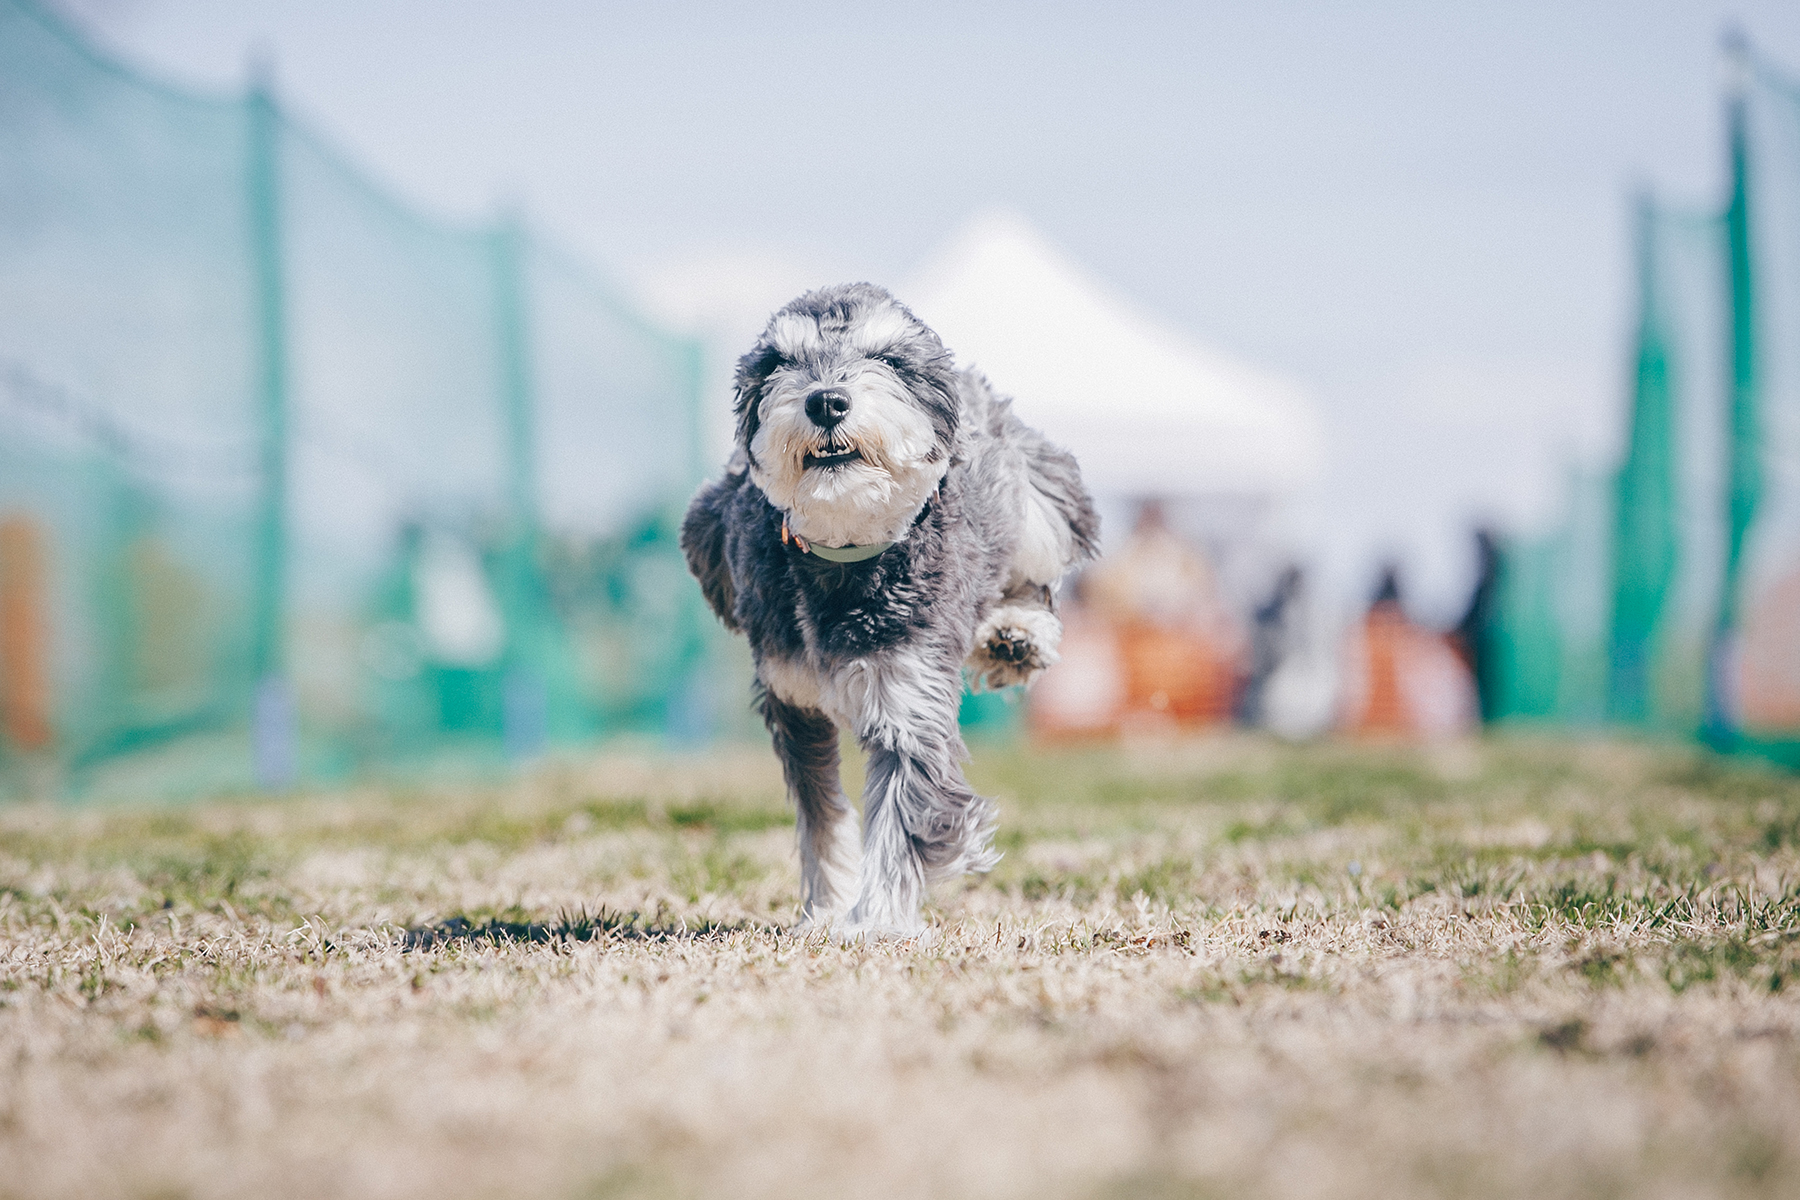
1177 673
1405 682
1136 676
1150 646
24 636
1769 660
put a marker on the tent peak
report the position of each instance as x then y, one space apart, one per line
1147 408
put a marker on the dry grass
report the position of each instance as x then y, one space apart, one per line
1219 968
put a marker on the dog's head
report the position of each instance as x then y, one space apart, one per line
847 414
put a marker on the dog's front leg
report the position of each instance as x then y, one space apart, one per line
1017 639
806 742
921 821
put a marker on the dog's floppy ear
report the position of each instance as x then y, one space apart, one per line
703 545
925 366
753 370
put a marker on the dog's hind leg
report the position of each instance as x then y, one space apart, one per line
921 821
806 742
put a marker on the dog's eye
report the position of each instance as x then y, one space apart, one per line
893 362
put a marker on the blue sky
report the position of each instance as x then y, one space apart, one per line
1416 210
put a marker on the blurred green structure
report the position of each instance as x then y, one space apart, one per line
1670 602
1549 646
293 474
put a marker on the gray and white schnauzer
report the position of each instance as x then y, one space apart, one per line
884 522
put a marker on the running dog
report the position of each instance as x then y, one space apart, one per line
885 522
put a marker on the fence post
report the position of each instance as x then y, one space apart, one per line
274 727
525 693
1644 518
1743 449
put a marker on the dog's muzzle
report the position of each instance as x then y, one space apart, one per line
828 407
832 458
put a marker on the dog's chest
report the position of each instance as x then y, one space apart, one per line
856 610
798 605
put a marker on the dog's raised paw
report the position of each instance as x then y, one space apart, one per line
1013 645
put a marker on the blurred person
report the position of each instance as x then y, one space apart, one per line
1765 700
1474 633
1180 649
25 707
438 637
1272 635
1155 576
1292 689
1300 700
1402 681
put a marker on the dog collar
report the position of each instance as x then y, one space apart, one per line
836 554
852 554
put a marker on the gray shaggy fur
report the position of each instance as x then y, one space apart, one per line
984 516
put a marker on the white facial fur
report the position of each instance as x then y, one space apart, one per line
871 500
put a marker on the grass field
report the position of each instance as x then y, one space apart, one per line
1219 968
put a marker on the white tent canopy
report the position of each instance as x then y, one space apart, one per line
1147 410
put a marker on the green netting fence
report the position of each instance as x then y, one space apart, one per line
1551 646
294 477
1669 601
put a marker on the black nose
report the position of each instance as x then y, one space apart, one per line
827 406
